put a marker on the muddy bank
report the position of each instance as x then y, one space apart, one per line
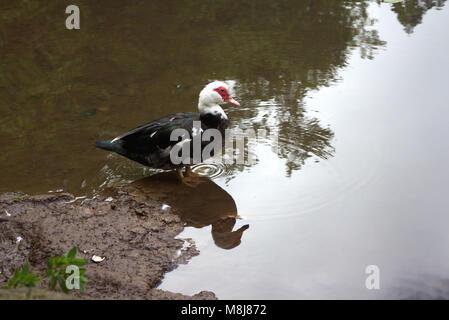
133 233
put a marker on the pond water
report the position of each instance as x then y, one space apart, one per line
356 91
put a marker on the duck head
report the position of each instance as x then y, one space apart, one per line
213 95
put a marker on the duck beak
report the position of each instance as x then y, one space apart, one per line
234 102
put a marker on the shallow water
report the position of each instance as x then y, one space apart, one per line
356 92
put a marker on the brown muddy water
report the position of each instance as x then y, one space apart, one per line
357 92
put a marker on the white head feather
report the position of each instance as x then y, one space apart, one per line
209 100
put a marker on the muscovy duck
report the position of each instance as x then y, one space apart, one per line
150 143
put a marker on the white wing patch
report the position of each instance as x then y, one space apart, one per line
217 110
195 131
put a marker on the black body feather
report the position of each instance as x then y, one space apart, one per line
150 144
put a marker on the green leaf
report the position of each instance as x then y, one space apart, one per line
78 262
10 284
23 278
62 285
52 282
72 253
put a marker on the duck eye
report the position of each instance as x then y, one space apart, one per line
221 90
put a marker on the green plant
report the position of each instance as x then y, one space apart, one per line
58 271
23 278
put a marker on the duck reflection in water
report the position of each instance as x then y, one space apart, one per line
204 204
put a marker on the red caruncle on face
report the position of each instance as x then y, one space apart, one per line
223 93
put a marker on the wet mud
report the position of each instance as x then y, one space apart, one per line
132 230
